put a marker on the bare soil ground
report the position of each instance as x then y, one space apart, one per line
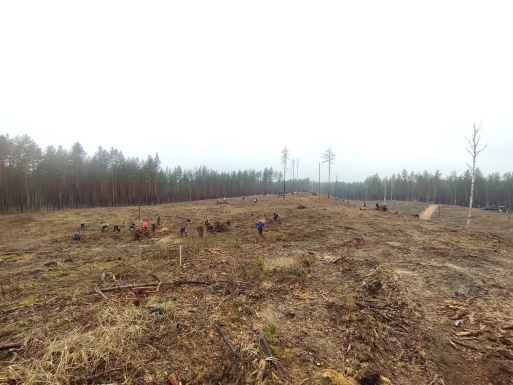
330 294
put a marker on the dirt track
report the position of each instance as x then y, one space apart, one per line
343 295
426 214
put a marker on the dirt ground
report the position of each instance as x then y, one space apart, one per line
331 293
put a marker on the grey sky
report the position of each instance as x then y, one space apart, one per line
388 85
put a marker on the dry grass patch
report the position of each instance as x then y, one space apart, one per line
104 346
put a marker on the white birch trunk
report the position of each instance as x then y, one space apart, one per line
385 197
473 151
473 171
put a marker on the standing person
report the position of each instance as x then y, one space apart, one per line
260 227
145 226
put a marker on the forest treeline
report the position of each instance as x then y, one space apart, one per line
32 179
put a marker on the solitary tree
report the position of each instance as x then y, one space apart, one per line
293 161
473 150
385 183
285 156
329 157
297 171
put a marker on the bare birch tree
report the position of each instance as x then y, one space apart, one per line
297 169
474 151
329 157
285 156
293 161
385 183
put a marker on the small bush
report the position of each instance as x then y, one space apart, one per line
271 332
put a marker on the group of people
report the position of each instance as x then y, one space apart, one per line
183 230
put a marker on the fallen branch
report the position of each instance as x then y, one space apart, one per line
506 353
235 358
270 354
225 298
146 289
121 287
323 296
10 346
468 333
178 283
373 272
371 306
453 342
147 285
373 309
227 341
100 292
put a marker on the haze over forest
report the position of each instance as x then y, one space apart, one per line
228 85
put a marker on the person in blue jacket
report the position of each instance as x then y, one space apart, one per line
260 227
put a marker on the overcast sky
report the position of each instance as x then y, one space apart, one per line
388 85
